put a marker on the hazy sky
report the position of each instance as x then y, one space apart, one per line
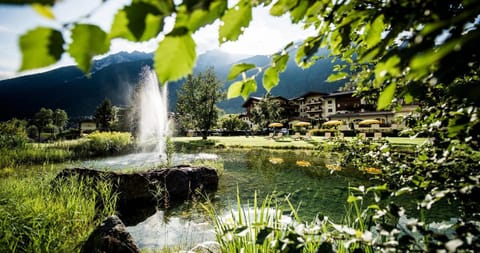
265 35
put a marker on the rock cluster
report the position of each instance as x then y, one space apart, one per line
140 193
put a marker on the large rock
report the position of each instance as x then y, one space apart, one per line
140 193
110 237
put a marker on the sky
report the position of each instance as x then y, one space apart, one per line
265 35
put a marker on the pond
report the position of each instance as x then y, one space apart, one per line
313 182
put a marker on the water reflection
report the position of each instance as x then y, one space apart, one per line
161 231
144 160
301 175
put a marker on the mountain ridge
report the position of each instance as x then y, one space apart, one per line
116 76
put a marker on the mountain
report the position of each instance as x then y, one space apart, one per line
116 76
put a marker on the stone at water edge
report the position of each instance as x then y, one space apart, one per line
140 193
110 236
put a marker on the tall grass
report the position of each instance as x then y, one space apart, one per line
262 227
30 155
93 145
37 216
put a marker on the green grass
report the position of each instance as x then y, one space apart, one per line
285 143
36 216
94 145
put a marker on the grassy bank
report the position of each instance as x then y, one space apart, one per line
36 216
284 143
94 145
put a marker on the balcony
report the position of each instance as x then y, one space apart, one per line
314 102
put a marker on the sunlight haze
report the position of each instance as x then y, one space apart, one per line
265 35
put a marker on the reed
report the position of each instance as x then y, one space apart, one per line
37 216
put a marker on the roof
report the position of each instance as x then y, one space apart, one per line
310 93
250 100
337 94
253 99
355 114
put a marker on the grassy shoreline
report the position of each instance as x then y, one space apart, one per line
284 143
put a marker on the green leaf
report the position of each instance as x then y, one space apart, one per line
388 67
280 62
43 10
382 187
139 21
282 6
408 98
298 13
153 26
41 47
119 27
270 78
200 17
175 57
431 57
242 88
386 96
234 21
87 41
374 32
305 54
352 198
337 76
238 69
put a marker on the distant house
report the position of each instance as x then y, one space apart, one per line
310 106
318 107
288 107
87 126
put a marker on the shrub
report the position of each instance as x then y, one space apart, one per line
13 134
105 143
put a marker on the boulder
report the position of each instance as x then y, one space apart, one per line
110 236
140 193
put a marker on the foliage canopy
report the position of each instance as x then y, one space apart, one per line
197 99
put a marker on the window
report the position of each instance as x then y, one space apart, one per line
330 102
330 110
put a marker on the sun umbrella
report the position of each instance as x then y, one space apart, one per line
333 123
275 124
302 124
369 122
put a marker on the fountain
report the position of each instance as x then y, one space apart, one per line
153 125
150 116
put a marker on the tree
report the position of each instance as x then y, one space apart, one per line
396 50
105 115
43 119
13 133
265 111
60 119
231 122
197 99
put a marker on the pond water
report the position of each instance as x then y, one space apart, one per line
304 176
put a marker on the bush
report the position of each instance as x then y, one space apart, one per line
105 143
13 134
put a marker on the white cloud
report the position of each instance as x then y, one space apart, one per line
4 29
6 74
265 35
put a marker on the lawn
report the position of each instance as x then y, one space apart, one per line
285 142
